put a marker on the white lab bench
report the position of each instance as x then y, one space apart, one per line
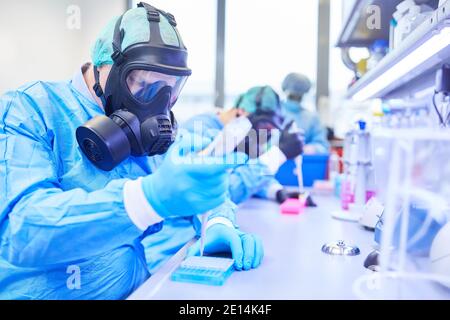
294 266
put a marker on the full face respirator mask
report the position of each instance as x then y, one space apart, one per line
264 121
142 87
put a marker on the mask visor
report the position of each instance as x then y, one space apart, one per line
144 85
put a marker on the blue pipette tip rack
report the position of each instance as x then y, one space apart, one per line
211 271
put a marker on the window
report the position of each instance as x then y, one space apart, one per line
266 40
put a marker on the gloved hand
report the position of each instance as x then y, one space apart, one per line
291 144
187 184
283 195
246 249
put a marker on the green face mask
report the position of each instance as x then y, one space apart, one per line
291 106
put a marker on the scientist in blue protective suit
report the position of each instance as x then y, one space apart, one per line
295 86
82 179
256 178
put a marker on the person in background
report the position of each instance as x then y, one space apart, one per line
295 86
90 167
263 107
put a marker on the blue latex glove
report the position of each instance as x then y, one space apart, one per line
187 184
246 249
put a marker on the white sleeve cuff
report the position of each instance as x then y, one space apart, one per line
273 159
219 220
271 192
139 210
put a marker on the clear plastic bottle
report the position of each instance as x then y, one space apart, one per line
333 166
378 51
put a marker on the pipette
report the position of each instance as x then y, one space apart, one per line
305 198
225 143
299 164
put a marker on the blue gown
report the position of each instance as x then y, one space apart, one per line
58 212
315 133
56 209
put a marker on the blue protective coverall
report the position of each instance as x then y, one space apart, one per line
315 133
64 231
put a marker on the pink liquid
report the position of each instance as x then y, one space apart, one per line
347 196
370 195
293 206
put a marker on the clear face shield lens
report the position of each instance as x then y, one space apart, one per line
144 85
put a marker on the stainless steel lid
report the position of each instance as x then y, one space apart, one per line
340 248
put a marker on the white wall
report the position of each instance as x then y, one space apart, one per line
40 39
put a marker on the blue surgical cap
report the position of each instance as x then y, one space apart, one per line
296 83
269 99
136 30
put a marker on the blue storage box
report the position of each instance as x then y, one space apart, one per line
314 168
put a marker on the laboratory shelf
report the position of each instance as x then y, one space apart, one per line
355 32
410 68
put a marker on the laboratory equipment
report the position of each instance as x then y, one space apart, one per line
347 195
416 197
225 143
204 270
347 189
333 166
323 187
378 51
296 206
407 18
327 187
314 167
299 165
293 206
372 213
392 26
358 173
442 89
340 248
338 185
363 164
372 261
440 253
